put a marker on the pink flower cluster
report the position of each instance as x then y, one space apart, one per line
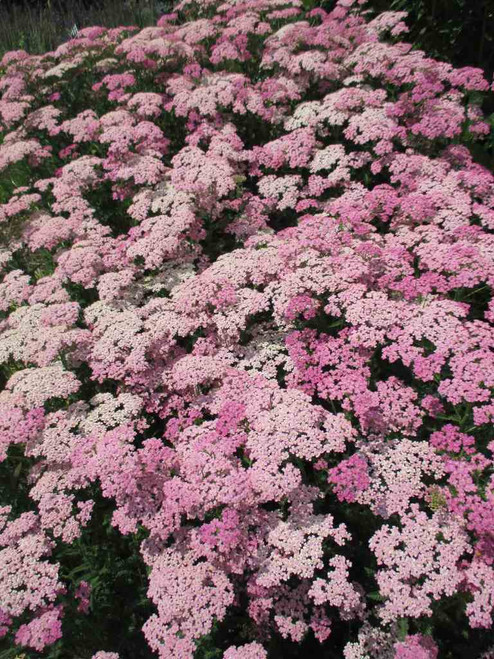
246 267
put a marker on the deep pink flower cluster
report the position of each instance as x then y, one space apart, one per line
246 270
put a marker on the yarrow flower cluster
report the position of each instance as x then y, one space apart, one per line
246 340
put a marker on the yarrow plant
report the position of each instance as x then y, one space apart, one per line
246 342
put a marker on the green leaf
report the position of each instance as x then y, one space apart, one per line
402 628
